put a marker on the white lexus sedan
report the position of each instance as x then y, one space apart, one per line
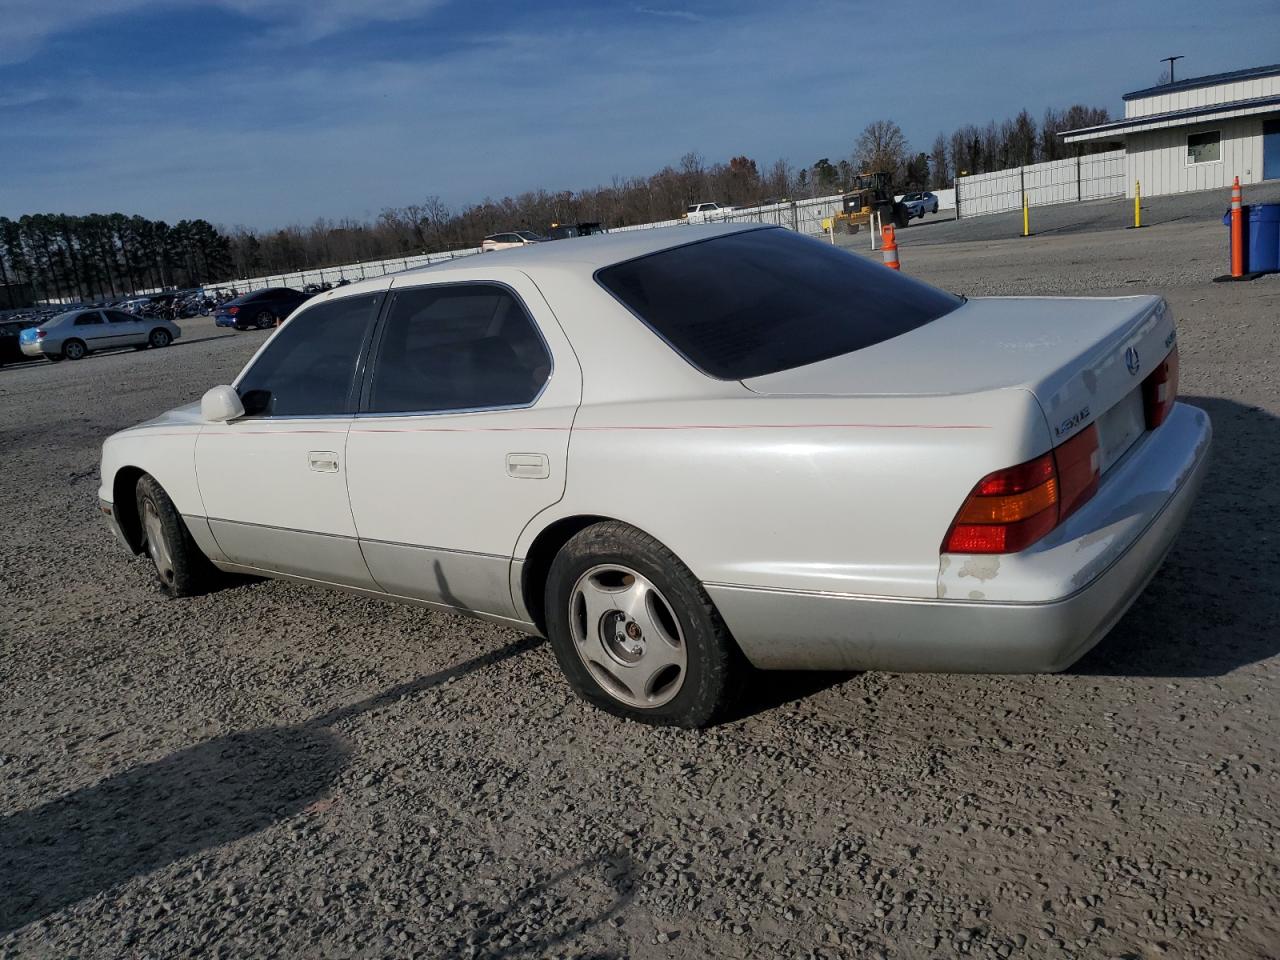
676 453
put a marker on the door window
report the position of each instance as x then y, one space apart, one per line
119 316
309 367
88 319
457 347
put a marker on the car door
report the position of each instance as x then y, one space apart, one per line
90 328
462 437
125 330
274 482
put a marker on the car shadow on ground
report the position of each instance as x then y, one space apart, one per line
1205 613
151 815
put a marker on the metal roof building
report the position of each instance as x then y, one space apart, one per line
1199 133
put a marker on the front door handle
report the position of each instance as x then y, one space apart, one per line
323 461
528 466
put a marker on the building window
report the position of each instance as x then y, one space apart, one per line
1204 147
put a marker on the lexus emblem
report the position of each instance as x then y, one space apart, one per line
1131 360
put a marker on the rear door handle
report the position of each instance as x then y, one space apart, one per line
528 466
323 461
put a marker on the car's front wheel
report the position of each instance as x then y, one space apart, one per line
182 569
635 633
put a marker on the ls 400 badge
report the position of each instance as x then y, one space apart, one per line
1075 420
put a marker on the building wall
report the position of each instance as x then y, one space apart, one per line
1158 158
1203 96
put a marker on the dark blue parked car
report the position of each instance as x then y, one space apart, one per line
261 309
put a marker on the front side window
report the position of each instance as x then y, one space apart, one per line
457 347
309 367
754 303
1204 147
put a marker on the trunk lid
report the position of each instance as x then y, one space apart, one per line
1083 359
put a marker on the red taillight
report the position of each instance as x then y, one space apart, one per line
233 310
1013 508
41 334
1160 390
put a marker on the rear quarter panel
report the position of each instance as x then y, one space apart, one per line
846 495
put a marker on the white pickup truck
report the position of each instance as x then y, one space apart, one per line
705 212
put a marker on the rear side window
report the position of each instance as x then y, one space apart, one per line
87 319
309 367
457 347
750 304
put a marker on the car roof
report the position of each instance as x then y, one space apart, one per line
590 253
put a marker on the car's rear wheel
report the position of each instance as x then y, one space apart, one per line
635 633
265 320
74 350
180 566
160 337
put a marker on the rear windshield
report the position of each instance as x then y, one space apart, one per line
750 304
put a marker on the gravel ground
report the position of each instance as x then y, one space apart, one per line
272 770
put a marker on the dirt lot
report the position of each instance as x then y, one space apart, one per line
276 771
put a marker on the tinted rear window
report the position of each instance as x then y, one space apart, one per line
750 304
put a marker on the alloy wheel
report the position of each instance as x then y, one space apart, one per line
628 636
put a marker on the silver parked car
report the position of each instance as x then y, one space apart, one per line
77 333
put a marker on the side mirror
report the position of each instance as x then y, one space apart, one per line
220 405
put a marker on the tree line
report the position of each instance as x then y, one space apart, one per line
104 256
101 255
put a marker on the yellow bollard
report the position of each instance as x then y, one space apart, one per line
1026 217
1137 206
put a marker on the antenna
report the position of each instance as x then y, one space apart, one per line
1170 61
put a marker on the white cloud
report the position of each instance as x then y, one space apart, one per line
28 24
673 14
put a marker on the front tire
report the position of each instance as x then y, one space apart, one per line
74 350
634 632
181 569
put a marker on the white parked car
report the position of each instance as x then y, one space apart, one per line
77 333
705 212
918 204
508 241
676 452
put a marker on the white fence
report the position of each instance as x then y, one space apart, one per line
803 216
1057 181
332 275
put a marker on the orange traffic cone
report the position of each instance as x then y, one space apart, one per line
890 249
1237 230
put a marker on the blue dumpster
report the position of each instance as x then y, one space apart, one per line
1261 237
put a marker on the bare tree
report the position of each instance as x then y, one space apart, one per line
881 146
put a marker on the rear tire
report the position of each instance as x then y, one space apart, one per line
181 569
74 350
160 337
265 320
673 664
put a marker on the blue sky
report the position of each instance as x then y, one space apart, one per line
269 112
